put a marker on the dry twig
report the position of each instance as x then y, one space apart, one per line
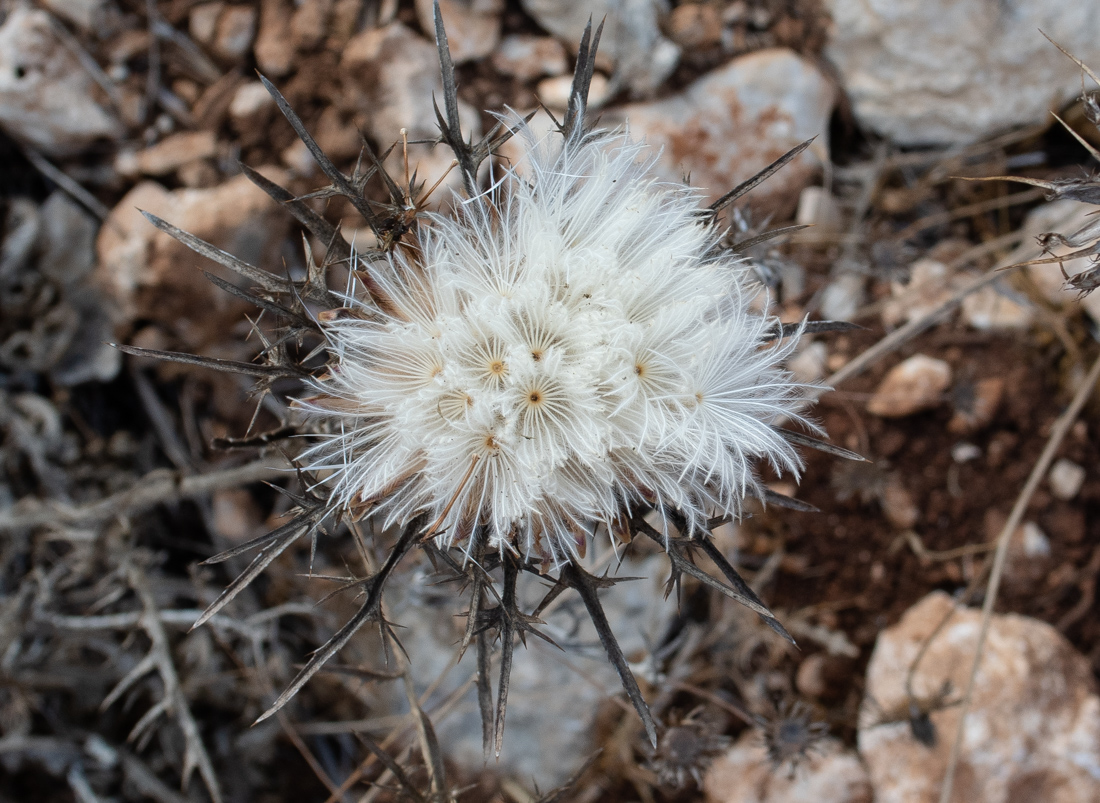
1059 432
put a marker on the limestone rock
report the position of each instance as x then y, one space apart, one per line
571 682
1033 731
308 24
554 92
916 384
997 308
819 208
939 72
202 22
392 76
528 57
473 26
169 155
930 284
735 121
632 41
149 275
252 111
47 100
249 99
745 775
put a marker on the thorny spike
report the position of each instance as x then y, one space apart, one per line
737 582
429 743
274 544
507 645
585 68
262 439
678 555
764 237
1074 59
216 364
262 303
586 584
362 672
371 610
497 136
451 128
395 769
799 439
770 497
266 280
485 691
397 195
744 187
786 330
339 249
327 167
477 582
1085 190
1084 142
1091 250
307 519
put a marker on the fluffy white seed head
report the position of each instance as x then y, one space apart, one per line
572 349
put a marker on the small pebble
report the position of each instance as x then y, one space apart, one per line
1066 479
695 25
249 98
965 452
841 299
912 386
235 32
994 309
809 364
976 405
554 92
898 506
528 57
817 207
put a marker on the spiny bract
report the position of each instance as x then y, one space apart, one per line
570 347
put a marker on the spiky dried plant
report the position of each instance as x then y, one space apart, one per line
791 734
562 354
1085 242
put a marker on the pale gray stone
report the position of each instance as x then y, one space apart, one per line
632 40
735 121
47 100
941 72
1033 730
828 773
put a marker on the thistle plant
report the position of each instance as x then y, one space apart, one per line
564 352
1085 242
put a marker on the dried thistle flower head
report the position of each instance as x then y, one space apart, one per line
685 750
572 349
559 355
791 735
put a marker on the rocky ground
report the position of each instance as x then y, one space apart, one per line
969 390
